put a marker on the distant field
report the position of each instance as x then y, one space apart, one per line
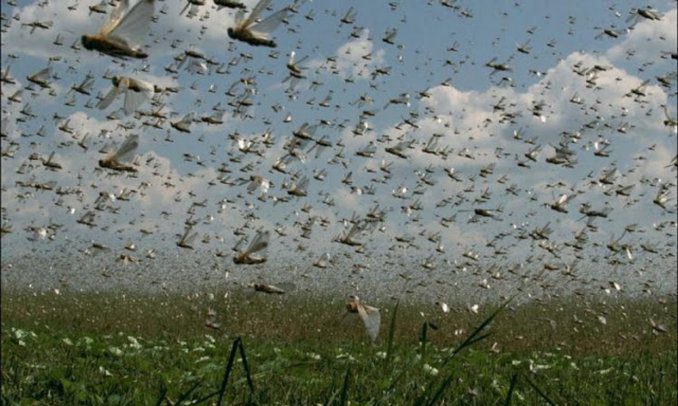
71 348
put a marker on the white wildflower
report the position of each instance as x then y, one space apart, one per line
430 370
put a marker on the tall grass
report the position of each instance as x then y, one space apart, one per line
391 333
75 349
432 396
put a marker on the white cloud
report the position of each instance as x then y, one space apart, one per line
648 40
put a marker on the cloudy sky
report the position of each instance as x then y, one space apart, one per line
571 65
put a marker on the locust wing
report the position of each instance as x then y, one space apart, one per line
260 242
187 237
239 16
265 27
112 94
134 26
372 320
114 18
261 6
127 148
135 98
43 75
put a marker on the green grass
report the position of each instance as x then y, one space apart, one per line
101 349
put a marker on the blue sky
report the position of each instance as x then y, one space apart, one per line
462 112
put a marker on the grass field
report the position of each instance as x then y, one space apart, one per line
105 349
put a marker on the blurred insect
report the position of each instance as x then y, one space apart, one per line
85 86
369 315
636 14
123 30
186 240
115 160
193 6
184 124
7 77
229 4
389 36
136 93
257 182
259 243
263 287
349 17
211 319
257 33
560 205
99 8
43 25
295 70
51 163
40 78
348 238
